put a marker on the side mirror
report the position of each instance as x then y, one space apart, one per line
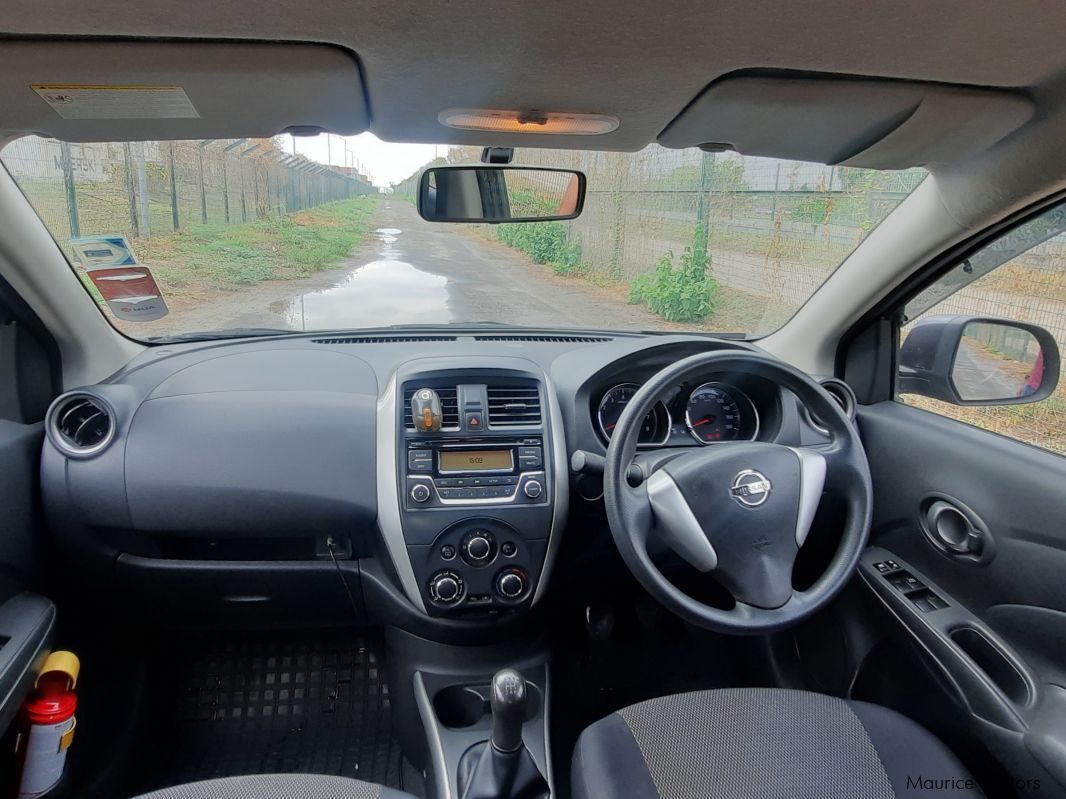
967 360
494 194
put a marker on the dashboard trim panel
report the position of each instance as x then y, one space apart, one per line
389 495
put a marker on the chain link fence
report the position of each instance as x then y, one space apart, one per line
776 229
144 189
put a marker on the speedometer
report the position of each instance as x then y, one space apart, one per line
717 412
653 429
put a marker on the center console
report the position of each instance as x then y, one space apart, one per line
477 497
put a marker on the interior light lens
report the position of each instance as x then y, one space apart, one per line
509 121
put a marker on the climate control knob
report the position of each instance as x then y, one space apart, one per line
478 547
533 489
511 583
420 492
446 587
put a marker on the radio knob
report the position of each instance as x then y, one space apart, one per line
478 548
445 588
420 492
533 489
511 584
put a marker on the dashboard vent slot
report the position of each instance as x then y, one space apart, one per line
381 339
449 407
80 425
548 339
514 406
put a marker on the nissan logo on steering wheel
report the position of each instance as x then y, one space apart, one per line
750 488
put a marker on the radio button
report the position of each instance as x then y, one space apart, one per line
528 451
533 489
420 492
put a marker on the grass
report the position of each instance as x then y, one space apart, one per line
278 248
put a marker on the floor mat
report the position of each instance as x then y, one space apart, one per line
301 704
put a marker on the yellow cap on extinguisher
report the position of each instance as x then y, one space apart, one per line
61 662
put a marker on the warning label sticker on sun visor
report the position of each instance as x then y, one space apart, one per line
117 102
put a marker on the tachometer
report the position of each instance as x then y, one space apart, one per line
717 412
653 430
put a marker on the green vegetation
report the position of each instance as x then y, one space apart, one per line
277 248
545 243
683 293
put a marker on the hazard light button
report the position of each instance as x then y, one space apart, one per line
474 421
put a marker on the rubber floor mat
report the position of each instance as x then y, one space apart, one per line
255 706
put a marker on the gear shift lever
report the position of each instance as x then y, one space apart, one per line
502 767
508 703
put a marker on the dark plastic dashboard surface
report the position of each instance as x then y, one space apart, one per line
274 440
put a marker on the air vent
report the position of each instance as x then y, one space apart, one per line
449 407
381 339
514 406
842 393
548 339
80 425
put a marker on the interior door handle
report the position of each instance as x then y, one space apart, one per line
955 530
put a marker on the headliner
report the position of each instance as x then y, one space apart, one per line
642 62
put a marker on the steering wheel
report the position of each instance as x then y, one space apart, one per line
739 511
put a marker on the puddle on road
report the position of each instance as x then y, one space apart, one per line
384 292
388 235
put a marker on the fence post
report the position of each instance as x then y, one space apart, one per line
203 192
174 218
130 192
143 200
703 207
225 187
72 194
244 202
255 177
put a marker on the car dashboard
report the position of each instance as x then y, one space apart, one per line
221 478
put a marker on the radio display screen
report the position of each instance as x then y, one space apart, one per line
469 460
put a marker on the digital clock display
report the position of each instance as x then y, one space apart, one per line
487 460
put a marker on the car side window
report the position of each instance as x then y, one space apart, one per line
981 344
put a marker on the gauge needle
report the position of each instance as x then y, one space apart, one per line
608 427
704 420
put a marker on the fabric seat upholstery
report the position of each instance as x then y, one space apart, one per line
279 786
761 743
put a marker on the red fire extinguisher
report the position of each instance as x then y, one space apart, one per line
48 724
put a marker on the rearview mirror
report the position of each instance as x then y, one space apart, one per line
967 360
496 194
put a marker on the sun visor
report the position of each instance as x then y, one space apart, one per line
127 91
879 124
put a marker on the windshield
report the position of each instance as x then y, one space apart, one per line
322 233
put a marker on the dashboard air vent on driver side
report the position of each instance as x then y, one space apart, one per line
842 393
80 425
514 406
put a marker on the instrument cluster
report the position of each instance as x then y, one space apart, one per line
708 412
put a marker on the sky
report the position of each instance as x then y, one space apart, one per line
383 162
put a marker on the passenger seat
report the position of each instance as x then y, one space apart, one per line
279 786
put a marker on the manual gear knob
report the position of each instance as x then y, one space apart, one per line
508 703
